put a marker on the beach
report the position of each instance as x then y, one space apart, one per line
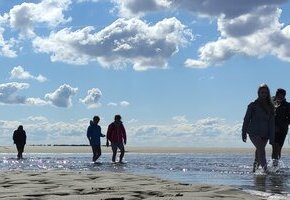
105 185
66 172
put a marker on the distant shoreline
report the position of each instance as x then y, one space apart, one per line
130 149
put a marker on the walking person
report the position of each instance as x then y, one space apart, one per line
282 121
259 125
94 135
116 134
19 138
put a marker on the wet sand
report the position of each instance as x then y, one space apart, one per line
105 185
108 185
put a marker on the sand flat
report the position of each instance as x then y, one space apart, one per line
105 185
130 149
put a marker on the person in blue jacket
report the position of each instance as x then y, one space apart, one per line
94 135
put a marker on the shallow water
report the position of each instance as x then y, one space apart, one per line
224 169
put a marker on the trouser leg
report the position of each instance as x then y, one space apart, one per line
256 157
275 151
278 151
260 144
98 152
114 149
20 149
94 153
122 149
280 137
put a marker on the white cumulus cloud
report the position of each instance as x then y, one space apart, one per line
19 73
125 41
133 8
244 29
82 1
26 16
6 46
35 102
8 93
209 8
245 35
93 97
62 97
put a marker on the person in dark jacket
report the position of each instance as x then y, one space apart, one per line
19 138
94 135
116 134
282 121
259 124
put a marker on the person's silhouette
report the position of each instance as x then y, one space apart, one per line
116 134
282 121
19 138
94 134
259 125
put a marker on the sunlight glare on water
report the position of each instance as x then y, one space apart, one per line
223 169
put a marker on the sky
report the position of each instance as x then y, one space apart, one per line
180 73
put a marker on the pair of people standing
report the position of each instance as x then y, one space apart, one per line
267 120
116 135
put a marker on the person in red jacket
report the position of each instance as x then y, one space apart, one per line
116 134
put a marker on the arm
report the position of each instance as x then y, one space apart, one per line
247 120
288 113
124 134
109 132
100 132
14 137
272 130
89 134
24 137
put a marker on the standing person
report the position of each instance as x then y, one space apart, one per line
19 138
282 121
259 125
116 134
94 135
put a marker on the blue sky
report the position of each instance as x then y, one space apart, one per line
181 73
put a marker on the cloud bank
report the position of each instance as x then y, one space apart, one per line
201 133
245 35
125 41
243 29
206 132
